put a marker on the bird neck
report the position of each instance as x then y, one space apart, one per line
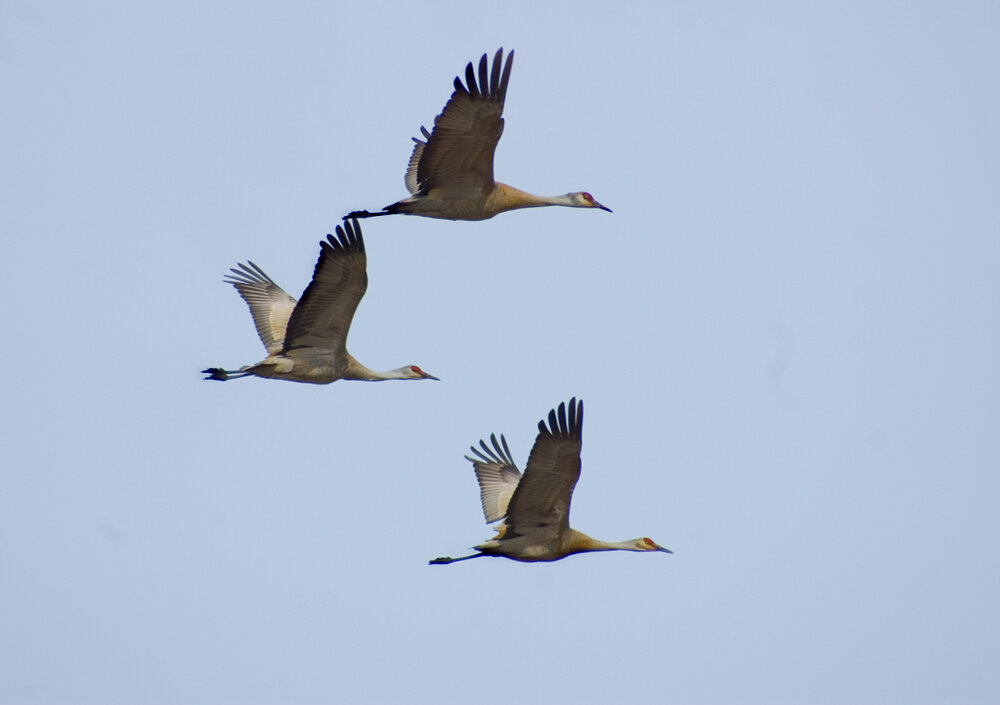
509 198
565 199
357 371
579 542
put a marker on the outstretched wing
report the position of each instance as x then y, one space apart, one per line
269 304
539 507
323 316
497 474
457 156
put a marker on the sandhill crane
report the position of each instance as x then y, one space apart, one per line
535 506
450 174
306 341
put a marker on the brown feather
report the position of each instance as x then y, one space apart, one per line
323 316
539 508
457 158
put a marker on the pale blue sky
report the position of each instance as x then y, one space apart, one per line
786 337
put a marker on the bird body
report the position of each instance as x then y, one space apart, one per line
499 199
319 369
570 541
534 507
306 341
450 173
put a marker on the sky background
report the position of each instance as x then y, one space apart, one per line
786 335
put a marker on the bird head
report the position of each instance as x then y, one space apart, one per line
582 199
647 544
414 372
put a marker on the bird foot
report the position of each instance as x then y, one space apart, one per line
216 373
364 214
442 560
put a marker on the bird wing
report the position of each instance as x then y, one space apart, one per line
539 507
323 317
269 304
457 156
498 477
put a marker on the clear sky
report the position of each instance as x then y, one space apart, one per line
787 337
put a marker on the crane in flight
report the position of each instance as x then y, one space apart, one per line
450 174
535 506
306 341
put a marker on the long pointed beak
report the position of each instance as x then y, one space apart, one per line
665 550
427 376
603 207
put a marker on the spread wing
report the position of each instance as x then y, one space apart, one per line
323 316
269 304
498 476
540 504
457 156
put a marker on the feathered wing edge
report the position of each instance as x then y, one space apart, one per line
324 314
270 305
541 503
497 475
492 85
561 426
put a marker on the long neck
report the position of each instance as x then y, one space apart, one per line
508 198
355 370
579 542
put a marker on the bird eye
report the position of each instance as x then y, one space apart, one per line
649 542
414 368
588 196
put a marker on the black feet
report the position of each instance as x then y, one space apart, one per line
364 214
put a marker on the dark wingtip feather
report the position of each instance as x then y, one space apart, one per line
484 82
502 452
347 239
506 448
248 273
494 84
561 424
491 83
353 228
492 455
479 454
470 78
502 92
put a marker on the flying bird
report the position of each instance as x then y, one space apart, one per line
306 340
450 174
534 506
